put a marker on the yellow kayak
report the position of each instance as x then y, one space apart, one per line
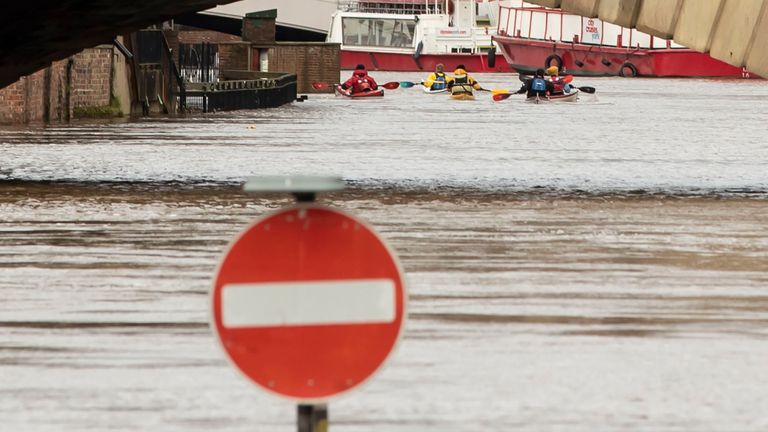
463 96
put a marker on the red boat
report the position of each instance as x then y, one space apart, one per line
348 93
531 37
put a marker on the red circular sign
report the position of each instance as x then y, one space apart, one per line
308 302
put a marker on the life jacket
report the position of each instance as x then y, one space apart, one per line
460 77
439 82
538 84
361 83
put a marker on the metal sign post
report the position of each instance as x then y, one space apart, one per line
308 302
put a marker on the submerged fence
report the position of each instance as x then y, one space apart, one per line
254 90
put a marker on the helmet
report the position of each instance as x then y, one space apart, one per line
552 70
539 72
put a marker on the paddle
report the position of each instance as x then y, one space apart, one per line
322 85
317 85
408 84
501 96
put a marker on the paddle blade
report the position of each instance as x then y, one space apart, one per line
407 84
567 79
587 89
501 96
391 85
320 85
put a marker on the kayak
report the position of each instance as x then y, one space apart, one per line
430 91
463 96
570 97
347 93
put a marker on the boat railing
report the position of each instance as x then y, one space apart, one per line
402 7
541 23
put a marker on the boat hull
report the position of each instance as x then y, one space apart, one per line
527 55
347 93
430 91
406 62
570 97
463 96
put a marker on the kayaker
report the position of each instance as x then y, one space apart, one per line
560 86
438 79
360 81
537 85
462 82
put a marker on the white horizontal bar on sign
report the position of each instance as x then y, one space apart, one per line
302 303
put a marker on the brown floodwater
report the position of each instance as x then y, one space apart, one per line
610 273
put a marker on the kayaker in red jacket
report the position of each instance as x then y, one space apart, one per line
360 81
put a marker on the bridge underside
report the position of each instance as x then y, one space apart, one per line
735 32
34 33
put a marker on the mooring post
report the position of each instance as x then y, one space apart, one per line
312 418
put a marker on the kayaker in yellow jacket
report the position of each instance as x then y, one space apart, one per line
462 82
438 79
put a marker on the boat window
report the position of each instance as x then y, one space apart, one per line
378 32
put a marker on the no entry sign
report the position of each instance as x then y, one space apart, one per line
308 302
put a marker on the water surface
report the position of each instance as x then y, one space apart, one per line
595 266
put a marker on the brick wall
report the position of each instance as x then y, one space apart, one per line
59 98
310 61
234 55
200 36
259 30
91 77
82 80
13 102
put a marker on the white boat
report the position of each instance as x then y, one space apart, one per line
573 96
417 35
430 91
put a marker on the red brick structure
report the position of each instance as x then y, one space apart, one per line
309 61
91 77
52 94
234 55
42 96
259 27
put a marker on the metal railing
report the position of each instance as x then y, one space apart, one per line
267 90
199 62
403 7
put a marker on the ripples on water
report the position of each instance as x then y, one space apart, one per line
660 135
605 272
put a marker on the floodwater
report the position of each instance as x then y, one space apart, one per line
593 266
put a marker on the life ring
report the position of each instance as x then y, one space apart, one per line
557 59
632 70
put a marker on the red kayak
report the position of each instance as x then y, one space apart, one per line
348 93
